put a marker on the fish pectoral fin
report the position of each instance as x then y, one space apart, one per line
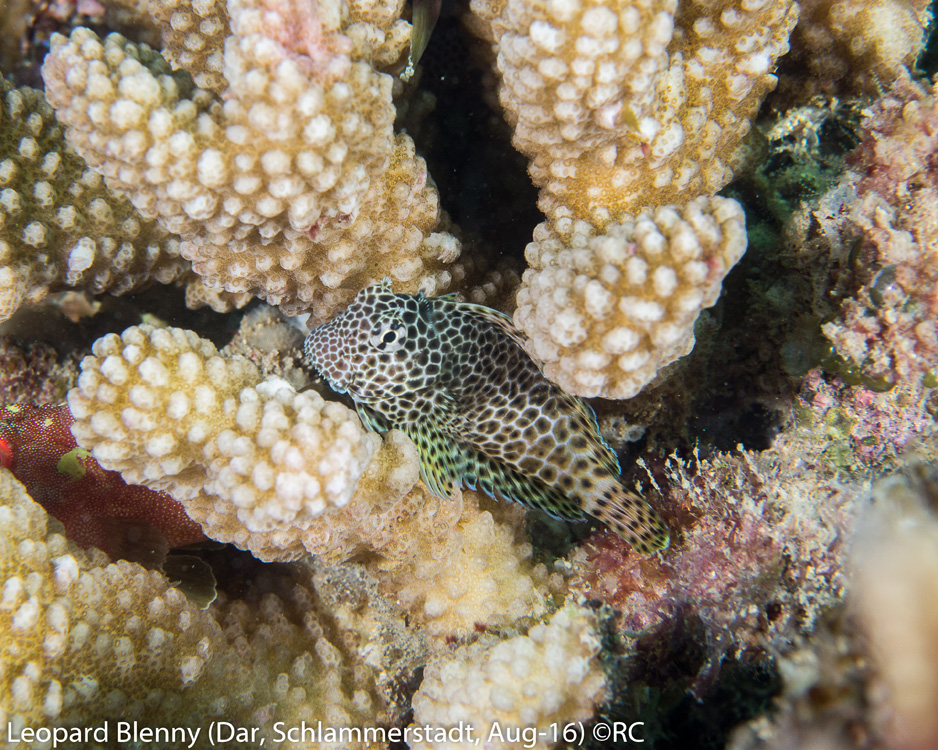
371 419
500 480
441 461
631 518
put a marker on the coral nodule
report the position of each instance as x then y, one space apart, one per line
272 149
287 180
631 120
254 461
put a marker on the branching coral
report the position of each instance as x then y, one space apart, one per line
283 474
621 110
194 38
254 461
636 105
887 217
842 47
83 642
293 187
59 224
283 177
606 310
481 576
58 603
528 682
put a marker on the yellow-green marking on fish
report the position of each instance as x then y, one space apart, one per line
456 379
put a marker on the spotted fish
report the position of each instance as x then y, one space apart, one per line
456 379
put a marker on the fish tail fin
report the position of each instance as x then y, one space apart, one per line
630 517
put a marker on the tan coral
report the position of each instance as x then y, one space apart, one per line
844 47
281 152
299 151
377 31
83 639
481 577
626 109
528 682
605 311
397 235
193 35
896 568
286 474
296 663
255 462
390 514
60 226
636 104
83 642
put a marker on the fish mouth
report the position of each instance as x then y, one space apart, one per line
338 384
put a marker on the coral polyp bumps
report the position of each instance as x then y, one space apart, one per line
256 155
282 177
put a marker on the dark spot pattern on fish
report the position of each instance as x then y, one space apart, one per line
455 378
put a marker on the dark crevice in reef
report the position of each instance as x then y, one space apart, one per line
483 181
46 323
928 61
654 682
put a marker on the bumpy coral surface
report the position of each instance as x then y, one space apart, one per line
292 663
194 38
632 105
60 225
83 641
253 460
552 674
623 109
888 327
482 575
283 474
841 47
272 187
605 311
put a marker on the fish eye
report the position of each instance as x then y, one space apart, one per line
389 337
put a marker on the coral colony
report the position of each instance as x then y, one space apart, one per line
736 263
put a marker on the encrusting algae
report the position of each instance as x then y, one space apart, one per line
455 378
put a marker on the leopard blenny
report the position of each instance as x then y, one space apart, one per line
456 379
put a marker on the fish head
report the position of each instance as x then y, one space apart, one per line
379 347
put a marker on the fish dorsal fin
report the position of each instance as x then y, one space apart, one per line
488 314
442 463
600 448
